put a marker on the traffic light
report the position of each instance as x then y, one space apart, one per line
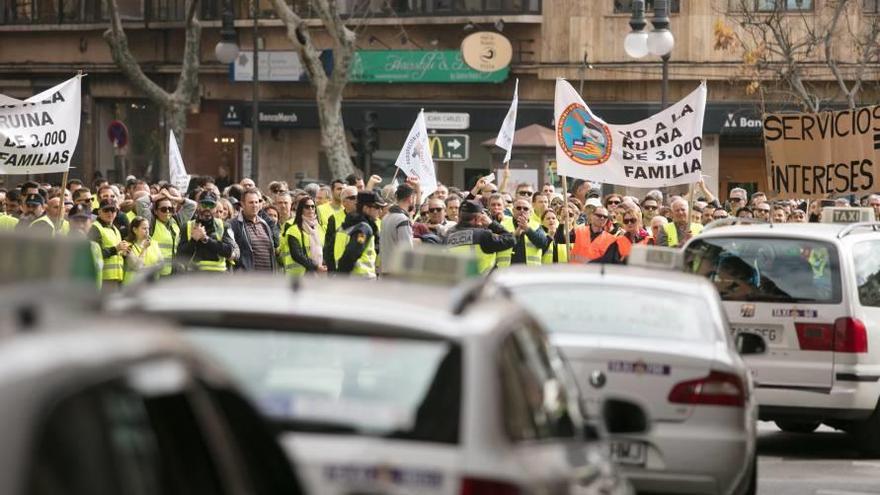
370 135
357 141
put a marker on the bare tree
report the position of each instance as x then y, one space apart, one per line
328 87
174 105
803 51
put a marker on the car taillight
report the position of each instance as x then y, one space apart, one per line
717 389
815 336
845 335
479 486
850 335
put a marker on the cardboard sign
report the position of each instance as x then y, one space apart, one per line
814 155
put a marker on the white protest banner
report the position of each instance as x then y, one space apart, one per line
415 157
176 169
38 135
662 150
508 127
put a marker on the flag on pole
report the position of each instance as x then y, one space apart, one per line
662 150
415 157
508 127
176 170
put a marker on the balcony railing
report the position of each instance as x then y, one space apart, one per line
92 11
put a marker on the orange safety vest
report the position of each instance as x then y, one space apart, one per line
624 245
586 249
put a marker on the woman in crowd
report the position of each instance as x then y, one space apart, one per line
143 253
302 242
632 232
556 252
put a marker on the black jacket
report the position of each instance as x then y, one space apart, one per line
210 249
363 229
493 239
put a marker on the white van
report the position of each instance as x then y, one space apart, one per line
812 291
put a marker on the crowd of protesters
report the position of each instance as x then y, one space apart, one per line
351 225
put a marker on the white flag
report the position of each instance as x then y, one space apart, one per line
38 135
415 157
508 127
662 150
176 170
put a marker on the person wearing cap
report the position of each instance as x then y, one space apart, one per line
34 217
355 246
592 242
105 233
108 192
348 199
478 234
256 240
206 242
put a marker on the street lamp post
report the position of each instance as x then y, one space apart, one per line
658 42
226 52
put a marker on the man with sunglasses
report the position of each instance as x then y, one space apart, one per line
348 200
681 229
113 248
592 242
167 212
531 240
736 199
206 242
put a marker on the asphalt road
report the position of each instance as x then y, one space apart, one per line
821 463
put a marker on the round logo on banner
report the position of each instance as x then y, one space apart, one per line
583 138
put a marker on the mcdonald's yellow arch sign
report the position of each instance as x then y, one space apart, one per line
449 147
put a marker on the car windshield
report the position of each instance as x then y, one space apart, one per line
348 384
616 310
767 269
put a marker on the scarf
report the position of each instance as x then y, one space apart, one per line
316 251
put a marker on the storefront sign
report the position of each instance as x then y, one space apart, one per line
275 66
457 121
418 66
449 147
486 51
232 116
811 155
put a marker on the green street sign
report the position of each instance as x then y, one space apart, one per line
418 66
449 147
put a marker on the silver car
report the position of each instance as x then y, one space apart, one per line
661 337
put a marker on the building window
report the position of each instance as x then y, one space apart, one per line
771 5
871 6
625 6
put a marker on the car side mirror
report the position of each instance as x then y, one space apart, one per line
622 416
749 344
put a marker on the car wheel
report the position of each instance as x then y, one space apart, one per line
789 426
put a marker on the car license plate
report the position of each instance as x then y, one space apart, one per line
771 335
628 453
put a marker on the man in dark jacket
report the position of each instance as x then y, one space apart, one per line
358 235
206 242
478 234
257 242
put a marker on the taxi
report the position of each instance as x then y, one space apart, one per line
393 387
662 337
811 291
90 405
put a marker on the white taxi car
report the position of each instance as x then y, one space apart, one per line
660 336
396 388
812 292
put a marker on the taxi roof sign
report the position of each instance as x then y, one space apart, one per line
432 264
663 258
843 214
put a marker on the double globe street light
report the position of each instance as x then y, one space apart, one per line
659 42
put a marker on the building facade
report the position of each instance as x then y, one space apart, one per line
408 59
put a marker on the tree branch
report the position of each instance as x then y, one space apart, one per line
298 33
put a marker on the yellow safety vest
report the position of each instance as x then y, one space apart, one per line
98 258
327 210
561 254
44 219
209 265
7 222
167 240
130 215
533 254
65 227
672 233
485 261
110 238
365 266
291 267
502 258
152 256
